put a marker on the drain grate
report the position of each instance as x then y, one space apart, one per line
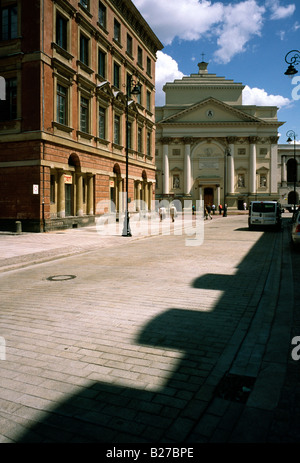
235 388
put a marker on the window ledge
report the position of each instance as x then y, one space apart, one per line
84 67
101 140
62 51
85 135
62 127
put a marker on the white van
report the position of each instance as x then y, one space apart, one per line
265 213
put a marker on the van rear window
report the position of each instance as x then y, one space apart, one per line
263 207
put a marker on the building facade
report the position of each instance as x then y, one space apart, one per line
211 147
289 174
68 119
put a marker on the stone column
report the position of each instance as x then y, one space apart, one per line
150 196
252 173
166 166
200 192
218 196
274 165
138 195
61 202
90 195
79 191
187 167
146 195
230 166
283 170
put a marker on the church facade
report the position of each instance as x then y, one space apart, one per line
211 147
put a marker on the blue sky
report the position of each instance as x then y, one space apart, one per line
243 40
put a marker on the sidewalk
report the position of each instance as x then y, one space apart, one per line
21 250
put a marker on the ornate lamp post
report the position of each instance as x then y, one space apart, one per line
132 89
292 58
291 134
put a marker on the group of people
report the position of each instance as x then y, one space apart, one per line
163 212
212 209
207 211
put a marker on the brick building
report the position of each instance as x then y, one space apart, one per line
68 68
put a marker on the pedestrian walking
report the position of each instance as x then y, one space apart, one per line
213 208
208 212
173 211
225 210
162 213
220 209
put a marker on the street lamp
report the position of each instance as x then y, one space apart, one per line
291 134
291 58
132 89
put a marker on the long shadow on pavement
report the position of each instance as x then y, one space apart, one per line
108 413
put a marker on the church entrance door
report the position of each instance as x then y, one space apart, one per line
208 196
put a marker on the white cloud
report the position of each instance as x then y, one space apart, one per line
166 71
241 22
278 11
185 19
233 25
259 97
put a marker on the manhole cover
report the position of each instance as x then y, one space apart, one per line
61 277
235 388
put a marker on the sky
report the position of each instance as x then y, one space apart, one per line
242 40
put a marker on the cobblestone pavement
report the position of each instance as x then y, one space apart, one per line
139 340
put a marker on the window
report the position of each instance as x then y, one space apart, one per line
263 151
116 75
85 4
263 207
140 56
84 114
102 124
61 104
148 144
129 45
9 105
139 95
117 31
117 127
140 144
102 15
61 31
149 70
148 101
9 22
84 49
101 63
176 151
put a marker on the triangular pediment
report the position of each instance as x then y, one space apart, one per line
104 87
210 111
